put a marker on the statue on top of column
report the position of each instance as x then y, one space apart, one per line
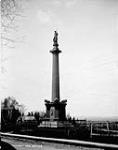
55 39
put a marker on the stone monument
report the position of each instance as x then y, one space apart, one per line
55 109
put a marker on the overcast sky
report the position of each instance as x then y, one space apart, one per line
88 38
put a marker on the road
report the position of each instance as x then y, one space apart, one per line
39 145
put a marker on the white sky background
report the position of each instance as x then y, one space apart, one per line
88 38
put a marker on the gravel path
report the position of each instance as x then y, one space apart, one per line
38 145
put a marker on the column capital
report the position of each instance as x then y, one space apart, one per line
55 51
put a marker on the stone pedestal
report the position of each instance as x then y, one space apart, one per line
55 124
56 110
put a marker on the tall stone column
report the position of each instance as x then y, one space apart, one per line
55 70
55 109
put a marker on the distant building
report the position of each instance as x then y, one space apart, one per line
27 119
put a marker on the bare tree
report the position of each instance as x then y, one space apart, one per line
10 111
10 10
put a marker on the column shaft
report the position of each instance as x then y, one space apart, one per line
55 77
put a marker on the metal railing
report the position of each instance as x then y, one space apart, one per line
102 129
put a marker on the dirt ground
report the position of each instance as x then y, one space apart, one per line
39 145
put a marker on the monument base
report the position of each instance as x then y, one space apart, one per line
55 124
